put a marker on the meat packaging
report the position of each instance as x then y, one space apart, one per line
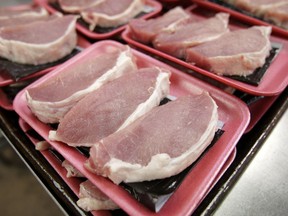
231 111
109 13
248 49
112 107
54 98
39 42
168 138
192 33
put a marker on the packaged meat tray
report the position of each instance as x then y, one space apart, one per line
55 160
244 16
150 9
8 83
273 79
233 113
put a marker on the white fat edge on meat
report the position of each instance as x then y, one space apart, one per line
124 63
91 198
161 90
248 61
14 52
104 20
261 9
72 171
92 204
121 171
42 145
222 17
77 8
42 12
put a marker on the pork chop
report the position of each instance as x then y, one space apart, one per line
14 21
112 107
238 52
51 100
258 7
161 143
110 13
91 198
174 42
278 15
27 11
144 31
39 42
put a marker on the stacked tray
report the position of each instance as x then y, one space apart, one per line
232 112
235 111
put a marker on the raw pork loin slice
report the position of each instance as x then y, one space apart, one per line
76 6
236 53
174 42
51 100
144 31
275 11
91 198
23 20
161 143
258 7
111 13
24 11
278 15
39 42
112 107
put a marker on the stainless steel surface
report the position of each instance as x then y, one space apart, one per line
263 187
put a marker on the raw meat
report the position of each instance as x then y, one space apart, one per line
71 170
144 31
236 53
91 198
278 15
258 7
112 107
39 42
161 143
76 6
110 13
51 100
174 42
275 11
27 11
23 20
